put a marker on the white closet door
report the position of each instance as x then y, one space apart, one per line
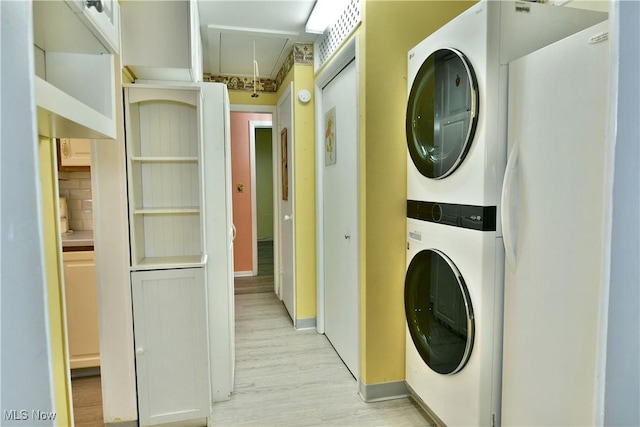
287 244
339 99
171 345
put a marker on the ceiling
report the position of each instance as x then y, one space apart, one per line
229 29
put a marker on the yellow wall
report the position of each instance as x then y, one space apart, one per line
598 5
285 83
244 98
304 209
384 56
126 77
304 178
61 379
305 194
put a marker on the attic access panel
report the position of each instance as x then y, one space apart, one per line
231 52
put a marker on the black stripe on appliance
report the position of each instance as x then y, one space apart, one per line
482 218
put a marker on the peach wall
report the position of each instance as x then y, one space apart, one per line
241 175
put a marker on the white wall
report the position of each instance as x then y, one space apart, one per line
111 236
27 382
622 389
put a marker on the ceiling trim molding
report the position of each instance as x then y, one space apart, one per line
300 54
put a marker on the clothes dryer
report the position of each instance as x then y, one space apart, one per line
456 118
453 305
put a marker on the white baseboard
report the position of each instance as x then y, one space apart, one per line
243 274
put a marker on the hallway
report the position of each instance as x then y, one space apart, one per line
283 377
263 282
295 378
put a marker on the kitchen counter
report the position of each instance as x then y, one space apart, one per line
77 239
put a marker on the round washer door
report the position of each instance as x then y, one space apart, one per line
439 312
442 113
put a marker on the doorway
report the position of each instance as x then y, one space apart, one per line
72 193
254 172
262 198
263 137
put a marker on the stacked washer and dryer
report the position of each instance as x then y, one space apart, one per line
456 128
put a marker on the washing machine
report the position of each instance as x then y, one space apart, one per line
453 305
456 117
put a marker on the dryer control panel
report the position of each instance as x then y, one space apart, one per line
482 218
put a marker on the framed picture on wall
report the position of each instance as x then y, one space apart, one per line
285 165
330 137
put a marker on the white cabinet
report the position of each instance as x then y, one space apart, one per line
81 298
161 40
74 73
102 17
75 152
181 259
171 346
165 176
169 288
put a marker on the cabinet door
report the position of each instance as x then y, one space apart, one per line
171 345
81 297
75 152
103 19
162 40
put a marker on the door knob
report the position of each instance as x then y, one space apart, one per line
139 351
287 217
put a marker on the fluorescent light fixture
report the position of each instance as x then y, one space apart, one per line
323 13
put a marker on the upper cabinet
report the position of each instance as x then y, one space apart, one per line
102 18
74 50
74 153
161 40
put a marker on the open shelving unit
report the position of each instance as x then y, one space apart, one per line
164 152
74 64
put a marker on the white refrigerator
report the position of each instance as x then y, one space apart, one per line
556 203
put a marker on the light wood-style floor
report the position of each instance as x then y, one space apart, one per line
295 378
87 401
263 282
283 377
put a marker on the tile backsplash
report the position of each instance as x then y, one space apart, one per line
76 187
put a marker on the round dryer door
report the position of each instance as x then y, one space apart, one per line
439 312
442 113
